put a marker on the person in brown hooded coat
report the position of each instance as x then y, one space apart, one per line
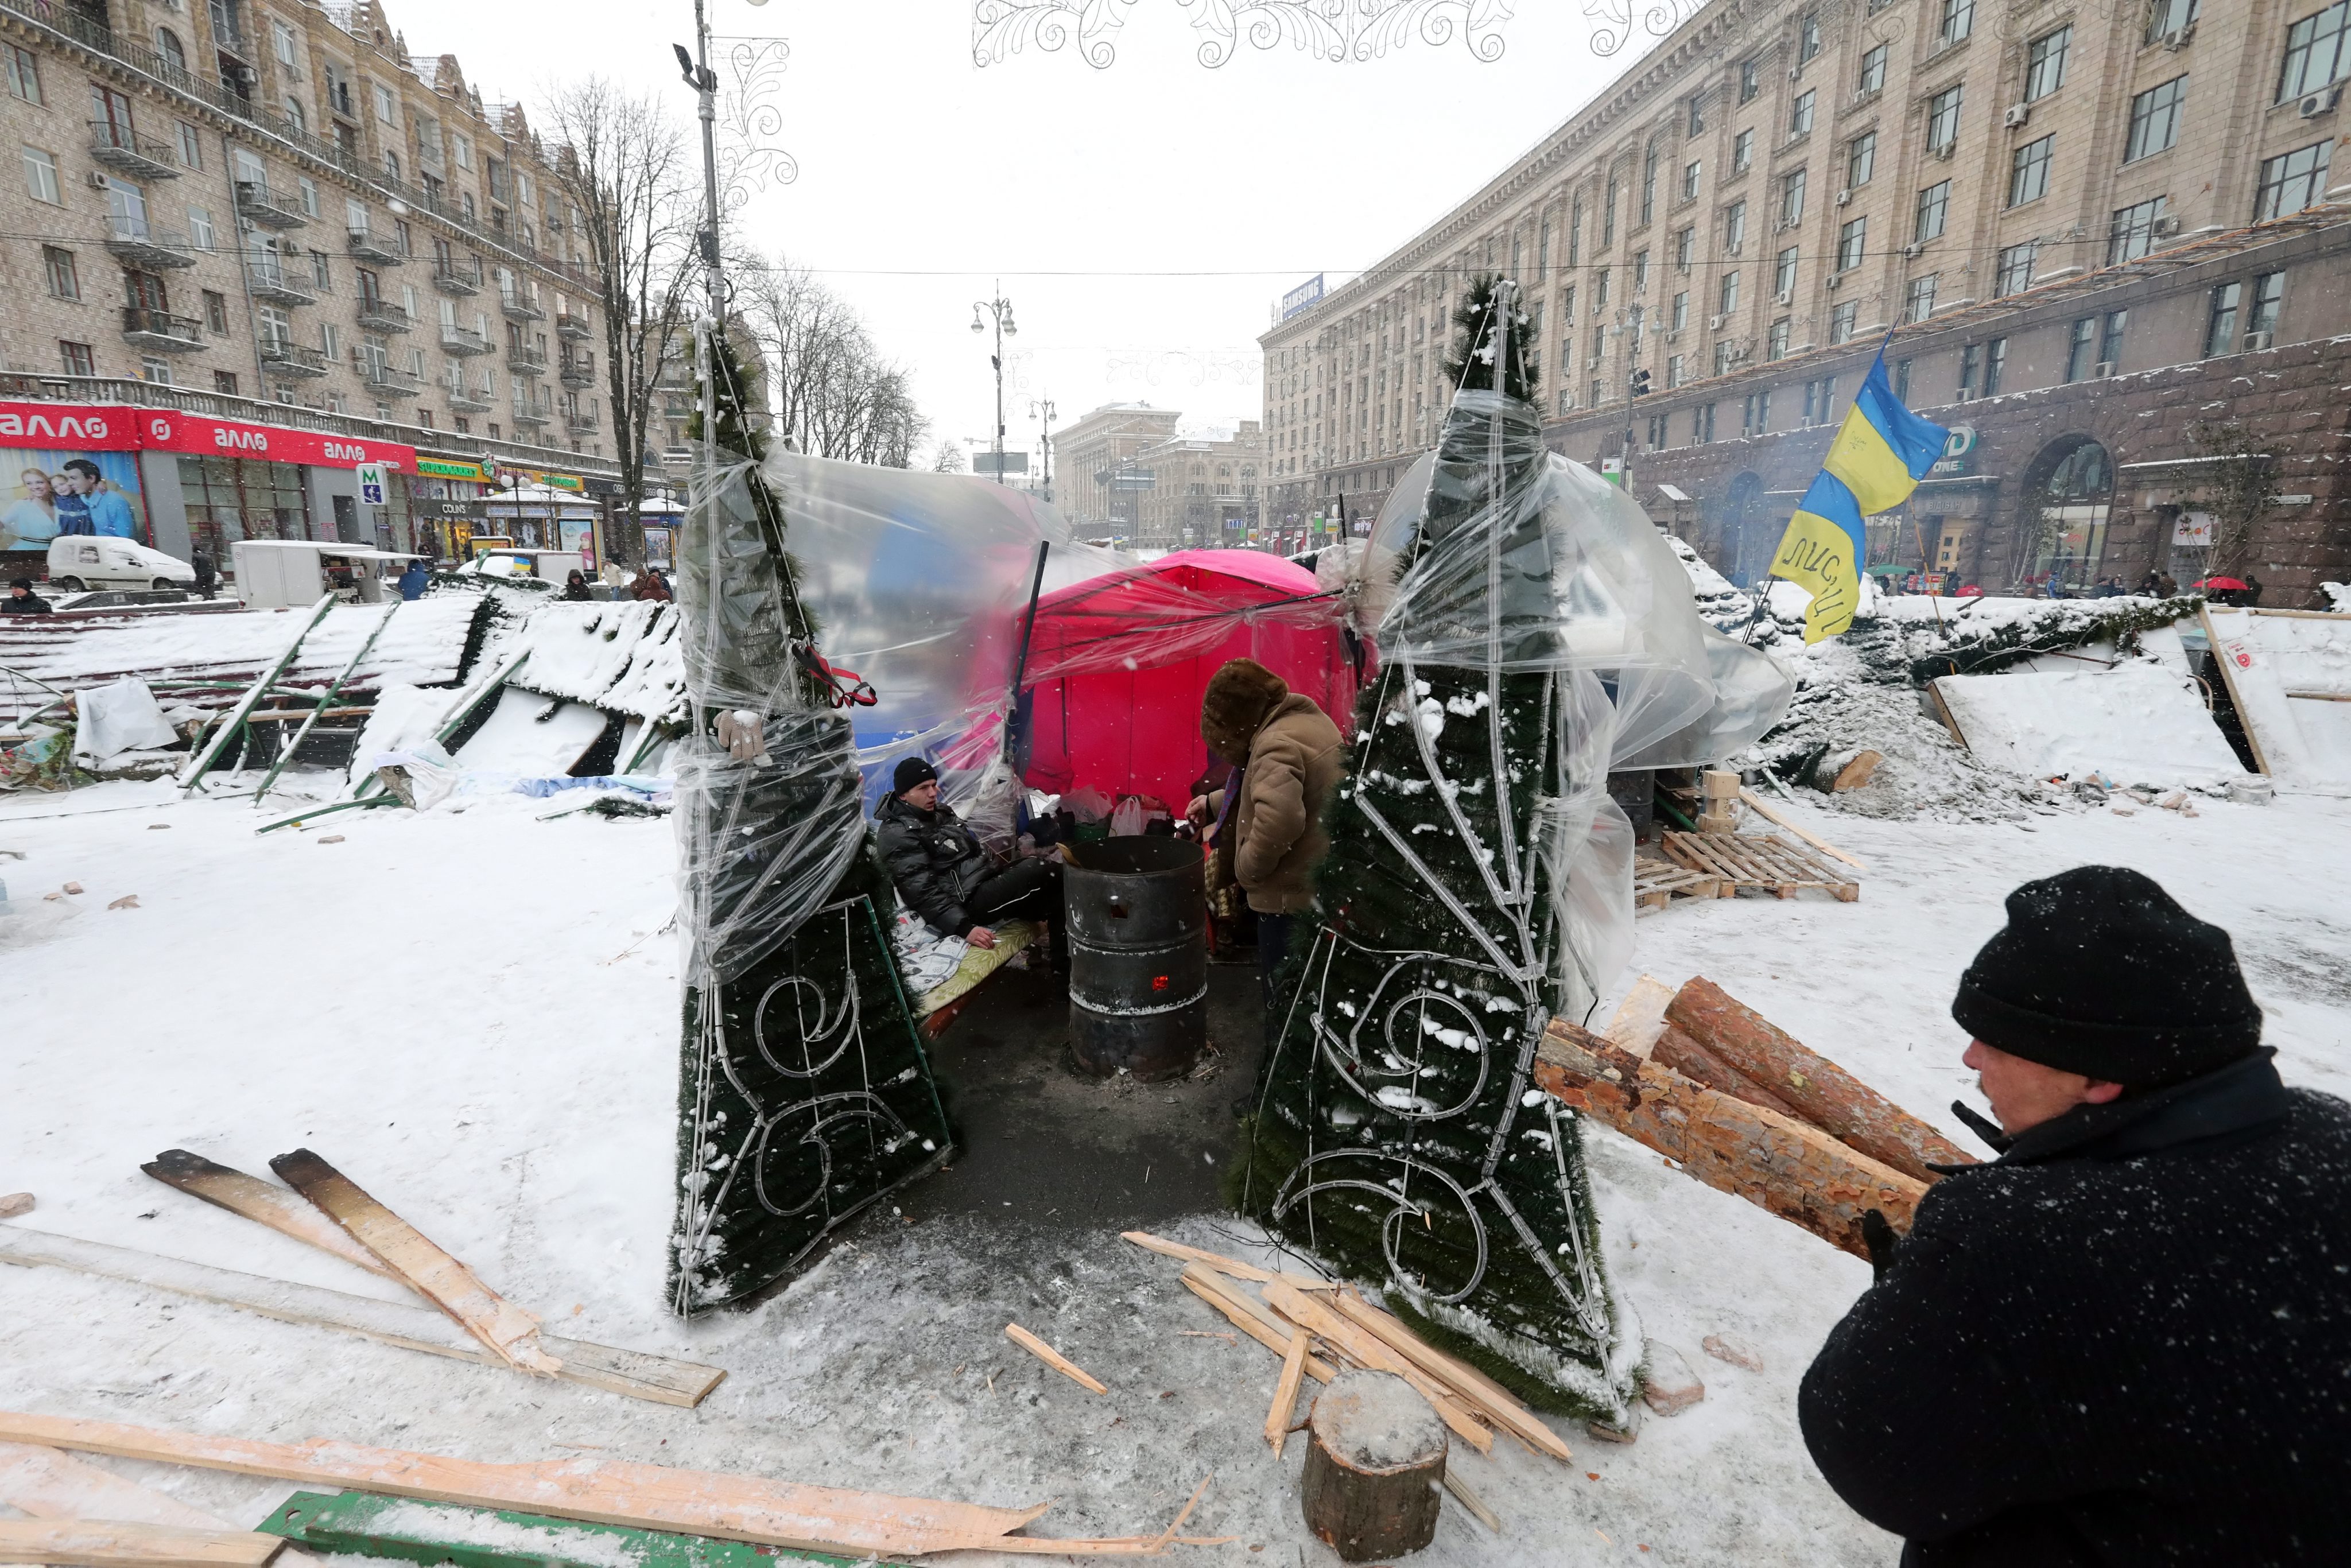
1291 756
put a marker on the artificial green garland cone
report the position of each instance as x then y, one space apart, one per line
1397 1133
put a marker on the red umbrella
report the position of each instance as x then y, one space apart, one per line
2221 582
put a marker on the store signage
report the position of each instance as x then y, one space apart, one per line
373 491
560 481
443 468
1958 453
2192 530
68 426
168 430
1304 296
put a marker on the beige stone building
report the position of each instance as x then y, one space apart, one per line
1205 492
2028 197
270 213
1097 486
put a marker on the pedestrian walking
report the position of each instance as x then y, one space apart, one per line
575 587
207 577
23 601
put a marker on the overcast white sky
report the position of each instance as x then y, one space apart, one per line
1142 218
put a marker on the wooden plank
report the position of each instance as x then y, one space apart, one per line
2320 696
1483 1395
1828 1096
1312 1311
639 1375
1222 1264
2336 615
280 1208
702 1502
1285 1391
441 1279
1471 1501
107 1543
1255 1320
2213 641
1054 1359
1785 1168
1826 848
50 1484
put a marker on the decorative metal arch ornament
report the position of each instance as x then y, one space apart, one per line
750 119
1327 30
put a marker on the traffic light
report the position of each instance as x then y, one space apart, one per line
1640 383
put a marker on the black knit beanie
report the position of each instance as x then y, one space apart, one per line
2099 972
912 770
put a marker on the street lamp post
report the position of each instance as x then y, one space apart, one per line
1000 309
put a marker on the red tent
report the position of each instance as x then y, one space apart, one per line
1117 665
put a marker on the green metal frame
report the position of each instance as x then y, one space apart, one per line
351 1523
234 721
326 701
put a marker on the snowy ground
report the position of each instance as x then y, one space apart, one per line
472 1014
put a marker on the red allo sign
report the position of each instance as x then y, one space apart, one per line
110 427
68 427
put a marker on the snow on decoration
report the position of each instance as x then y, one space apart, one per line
1479 882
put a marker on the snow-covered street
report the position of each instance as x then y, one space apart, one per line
474 1014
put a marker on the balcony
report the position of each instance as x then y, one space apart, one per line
467 399
160 331
368 245
138 243
578 423
271 209
269 280
281 358
124 149
386 382
456 279
341 102
523 360
462 340
577 370
378 314
533 414
568 325
521 307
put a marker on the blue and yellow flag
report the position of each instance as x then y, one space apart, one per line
1880 454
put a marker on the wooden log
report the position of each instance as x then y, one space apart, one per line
1285 1391
1374 1461
755 1508
1844 771
433 1274
280 1208
1828 1096
107 1544
1365 1349
1693 1060
1485 1396
1252 1318
657 1378
1054 1359
1640 1017
1785 1168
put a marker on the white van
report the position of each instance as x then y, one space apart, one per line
78 561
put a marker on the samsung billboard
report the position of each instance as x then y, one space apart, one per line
1301 298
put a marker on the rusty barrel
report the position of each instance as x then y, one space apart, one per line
1138 922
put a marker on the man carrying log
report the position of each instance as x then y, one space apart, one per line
2127 1340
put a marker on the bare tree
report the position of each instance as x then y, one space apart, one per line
623 163
832 392
949 458
2237 483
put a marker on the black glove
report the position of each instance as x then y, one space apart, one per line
1879 1238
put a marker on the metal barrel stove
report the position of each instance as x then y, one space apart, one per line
1138 921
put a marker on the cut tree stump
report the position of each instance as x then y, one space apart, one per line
1374 1462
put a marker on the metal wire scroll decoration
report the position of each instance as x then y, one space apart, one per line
1326 29
750 119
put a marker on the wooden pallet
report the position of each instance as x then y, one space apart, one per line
1753 859
1656 883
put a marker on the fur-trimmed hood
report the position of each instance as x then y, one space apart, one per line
1240 697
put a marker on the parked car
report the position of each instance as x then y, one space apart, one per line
79 561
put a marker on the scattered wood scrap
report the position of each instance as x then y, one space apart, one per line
432 1273
1781 866
757 1508
14 1204
50 1484
1756 804
105 1543
280 1208
1658 883
1054 1359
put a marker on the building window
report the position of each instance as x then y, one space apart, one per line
281 39
2291 181
1808 37
1873 73
216 312
1574 234
1958 21
385 104
225 383
1640 272
1734 226
1861 160
1841 322
1755 414
2269 292
1934 206
1919 300
1702 424
1673 369
1697 115
1902 380
1566 400
2028 171
1658 436
191 146
2110 339
2314 52
58 268
1995 364
24 75
1598 391
2154 120
1692 172
2044 64
2014 273
1943 118
77 358
1783 272
2080 343
1722 357
1775 341
41 177
2132 232
1742 151
2168 17
1792 199
200 229
1600 288
156 371
1750 79
1685 248
1820 400
1853 243
306 191
1800 115
1608 217
1680 316
1727 297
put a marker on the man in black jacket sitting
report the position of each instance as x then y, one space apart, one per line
2127 1340
947 877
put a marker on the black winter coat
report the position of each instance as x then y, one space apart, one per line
2125 1341
933 859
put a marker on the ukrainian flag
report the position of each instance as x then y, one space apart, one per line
1880 454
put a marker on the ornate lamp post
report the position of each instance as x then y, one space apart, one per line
1000 309
1042 409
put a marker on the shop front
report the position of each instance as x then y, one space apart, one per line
71 469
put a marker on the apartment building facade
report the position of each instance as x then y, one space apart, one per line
1204 493
2099 242
1099 486
267 215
